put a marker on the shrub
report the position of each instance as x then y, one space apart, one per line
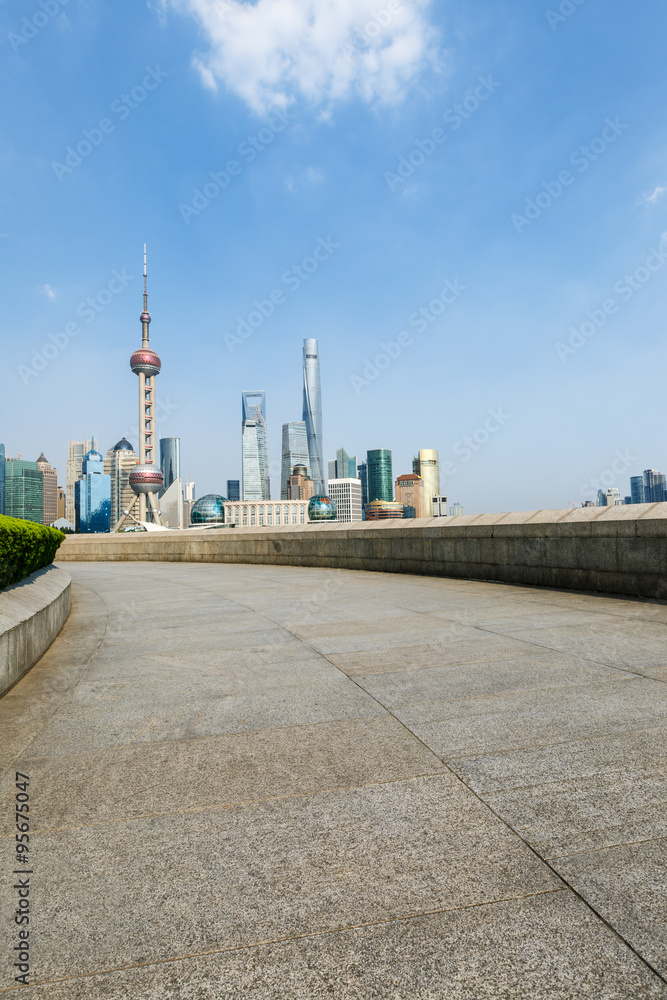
24 548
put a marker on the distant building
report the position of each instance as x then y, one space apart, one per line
50 490
343 467
637 489
76 450
189 491
457 510
92 495
2 479
233 489
299 485
294 452
24 490
382 510
380 480
427 465
609 498
410 492
654 486
118 464
256 485
266 513
362 475
61 505
312 412
188 503
170 460
439 506
346 494
627 500
171 505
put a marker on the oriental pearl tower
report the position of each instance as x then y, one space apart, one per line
146 478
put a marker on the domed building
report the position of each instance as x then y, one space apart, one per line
322 508
119 462
208 509
92 495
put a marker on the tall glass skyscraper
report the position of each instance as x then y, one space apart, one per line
362 474
2 479
170 460
294 452
427 465
380 478
343 466
637 489
256 484
93 495
312 413
24 490
654 486
233 489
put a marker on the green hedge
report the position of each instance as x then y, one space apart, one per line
25 547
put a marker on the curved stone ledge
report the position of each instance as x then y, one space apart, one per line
617 550
32 614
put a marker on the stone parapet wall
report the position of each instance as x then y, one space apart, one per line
619 550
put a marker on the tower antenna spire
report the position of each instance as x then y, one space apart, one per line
145 288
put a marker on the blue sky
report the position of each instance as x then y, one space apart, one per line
536 199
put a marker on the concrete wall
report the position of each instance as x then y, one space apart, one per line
620 550
32 614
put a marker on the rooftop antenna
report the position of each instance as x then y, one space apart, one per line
145 289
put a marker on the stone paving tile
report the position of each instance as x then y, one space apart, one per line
236 876
626 885
407 687
534 718
545 947
474 646
375 638
583 758
217 772
628 643
581 814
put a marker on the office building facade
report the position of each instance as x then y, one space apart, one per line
380 484
255 455
49 490
294 452
266 514
24 490
2 479
383 510
457 510
410 492
299 485
427 465
312 413
233 489
170 460
438 506
654 486
346 494
76 450
362 476
343 466
637 489
92 495
118 464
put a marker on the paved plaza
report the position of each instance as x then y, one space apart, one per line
279 783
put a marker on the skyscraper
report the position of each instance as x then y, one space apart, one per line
256 485
427 465
362 473
146 478
92 493
410 492
343 467
75 452
346 495
380 478
312 413
118 464
233 489
637 489
300 485
654 486
170 460
49 490
294 452
24 490
2 479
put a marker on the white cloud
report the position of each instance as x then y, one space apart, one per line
271 52
651 199
49 292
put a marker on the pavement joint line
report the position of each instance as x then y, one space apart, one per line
606 847
616 769
444 772
71 690
400 918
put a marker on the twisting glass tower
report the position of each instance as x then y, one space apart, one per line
146 478
312 413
